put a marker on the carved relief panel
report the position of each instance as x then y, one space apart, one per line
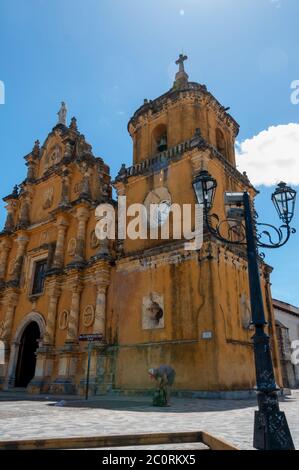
152 311
53 156
63 319
88 315
71 247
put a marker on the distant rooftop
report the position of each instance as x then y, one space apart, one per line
288 308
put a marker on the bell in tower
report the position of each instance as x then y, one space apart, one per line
162 143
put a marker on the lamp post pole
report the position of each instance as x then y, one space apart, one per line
271 429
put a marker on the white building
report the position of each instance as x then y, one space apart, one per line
287 328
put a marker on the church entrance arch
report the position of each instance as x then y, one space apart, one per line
26 361
22 358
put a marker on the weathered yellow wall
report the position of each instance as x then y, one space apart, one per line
198 297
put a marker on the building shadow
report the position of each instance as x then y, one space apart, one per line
137 403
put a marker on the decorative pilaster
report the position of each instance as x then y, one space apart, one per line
120 186
31 160
100 311
72 332
22 241
82 216
11 210
85 184
26 195
68 353
62 225
31 171
4 251
10 303
45 354
53 292
65 189
102 283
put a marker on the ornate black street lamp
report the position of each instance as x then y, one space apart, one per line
271 429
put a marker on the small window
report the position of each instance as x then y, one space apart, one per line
39 277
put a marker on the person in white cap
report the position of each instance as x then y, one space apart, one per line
164 376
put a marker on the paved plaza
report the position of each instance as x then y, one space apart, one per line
23 417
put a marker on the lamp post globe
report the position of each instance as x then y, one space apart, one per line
284 198
204 186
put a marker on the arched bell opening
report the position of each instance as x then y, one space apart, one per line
221 143
160 138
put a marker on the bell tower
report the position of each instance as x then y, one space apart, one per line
173 117
201 294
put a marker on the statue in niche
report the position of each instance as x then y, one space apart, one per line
63 320
55 154
71 248
152 312
65 188
24 212
48 198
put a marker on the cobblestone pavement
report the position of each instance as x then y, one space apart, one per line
24 417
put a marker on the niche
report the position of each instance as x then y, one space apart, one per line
152 312
221 143
160 138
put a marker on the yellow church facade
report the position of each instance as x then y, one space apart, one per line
151 300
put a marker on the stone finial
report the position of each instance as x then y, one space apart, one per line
73 124
62 114
15 191
36 149
122 172
181 77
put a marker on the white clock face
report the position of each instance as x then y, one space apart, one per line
158 203
161 212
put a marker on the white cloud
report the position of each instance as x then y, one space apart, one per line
271 156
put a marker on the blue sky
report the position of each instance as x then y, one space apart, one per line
103 57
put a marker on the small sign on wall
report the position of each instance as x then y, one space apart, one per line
2 353
206 335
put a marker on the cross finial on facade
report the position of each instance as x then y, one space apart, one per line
180 62
181 77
